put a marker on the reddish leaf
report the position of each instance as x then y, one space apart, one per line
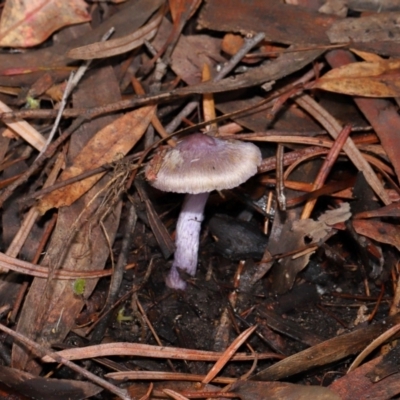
380 231
26 23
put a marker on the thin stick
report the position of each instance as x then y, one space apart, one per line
73 81
117 276
40 160
280 185
334 128
153 331
41 350
326 168
226 69
50 150
63 104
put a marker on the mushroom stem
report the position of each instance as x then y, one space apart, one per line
187 239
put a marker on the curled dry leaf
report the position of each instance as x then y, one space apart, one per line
121 45
370 79
317 230
27 23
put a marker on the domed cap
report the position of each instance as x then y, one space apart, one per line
200 163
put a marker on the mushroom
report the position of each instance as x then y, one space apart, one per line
197 165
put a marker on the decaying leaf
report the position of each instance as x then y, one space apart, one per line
317 230
392 210
369 28
292 234
370 79
113 140
359 383
46 388
248 390
281 23
121 45
26 23
382 232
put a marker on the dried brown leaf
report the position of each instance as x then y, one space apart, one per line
109 143
359 385
121 45
369 28
380 231
26 23
281 390
370 79
317 230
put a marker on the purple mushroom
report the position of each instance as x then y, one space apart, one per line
198 165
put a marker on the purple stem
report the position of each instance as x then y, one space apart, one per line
187 239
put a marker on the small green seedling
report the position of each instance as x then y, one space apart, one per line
121 317
79 286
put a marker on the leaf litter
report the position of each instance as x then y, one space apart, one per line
290 263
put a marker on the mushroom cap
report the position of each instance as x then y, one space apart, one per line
200 163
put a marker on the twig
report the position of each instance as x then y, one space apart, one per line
66 182
41 350
164 376
73 81
153 331
127 349
249 43
48 150
24 267
63 104
40 160
334 128
117 276
280 185
326 168
228 354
